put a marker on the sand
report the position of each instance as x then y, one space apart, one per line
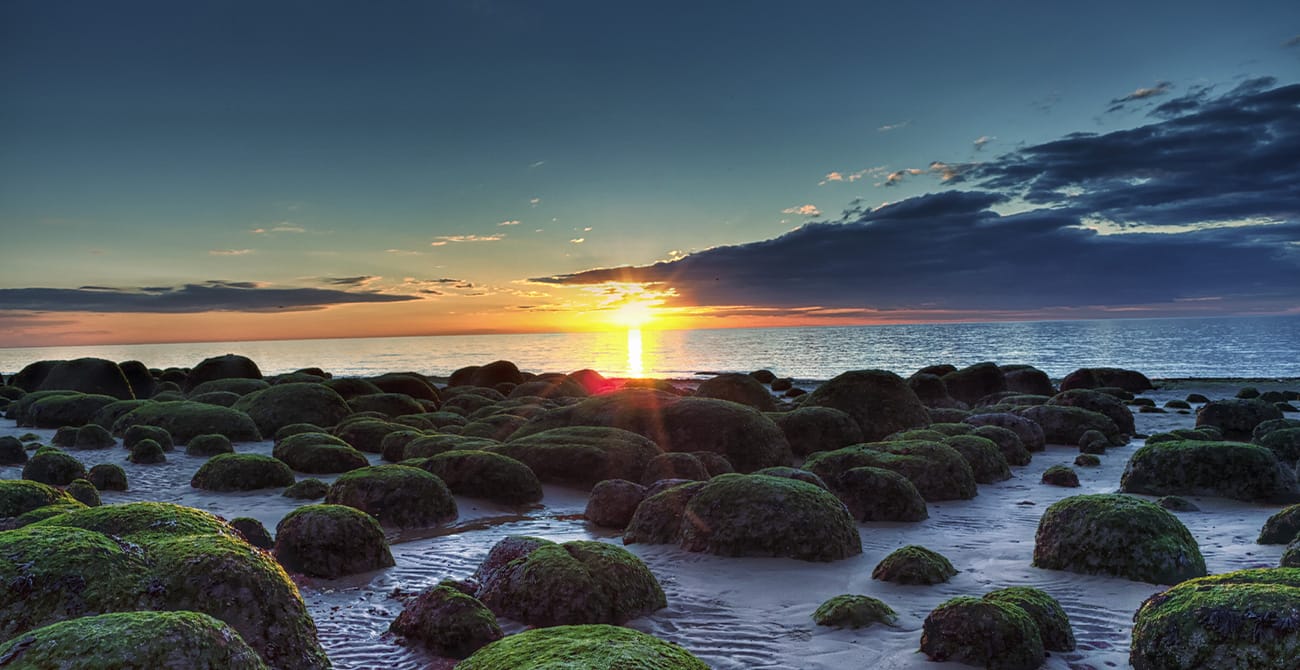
755 612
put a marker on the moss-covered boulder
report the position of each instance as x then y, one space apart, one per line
133 435
209 445
880 402
1051 620
973 382
759 515
1007 442
318 453
252 531
447 622
53 467
432 445
984 633
1227 469
877 494
739 388
1291 555
393 447
1097 401
240 386
1091 378
93 437
581 455
1060 475
285 404
1236 418
107 477
64 409
84 492
184 420
658 519
396 495
1065 425
12 451
1243 619
367 434
572 583
986 461
330 541
674 465
1284 442
914 564
1282 527
745 436
1030 433
483 474
188 640
19 496
1116 535
589 647
813 429
241 472
494 427
307 489
854 611
938 471
147 452
613 502
229 366
88 375
388 404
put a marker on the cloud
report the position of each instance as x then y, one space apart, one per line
1148 220
536 164
282 227
1161 88
211 296
852 176
354 282
981 141
443 240
403 252
803 210
894 126
230 252
578 240
534 201
1293 42
512 222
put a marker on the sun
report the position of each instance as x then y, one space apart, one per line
632 315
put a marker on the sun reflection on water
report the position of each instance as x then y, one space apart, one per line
634 368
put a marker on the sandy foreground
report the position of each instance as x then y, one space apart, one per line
756 612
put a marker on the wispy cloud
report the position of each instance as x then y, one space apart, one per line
1293 42
359 281
282 227
894 126
443 240
511 222
229 252
1161 88
534 201
803 210
983 140
403 252
210 296
850 177
578 240
536 164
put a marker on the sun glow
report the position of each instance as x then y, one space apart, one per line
632 315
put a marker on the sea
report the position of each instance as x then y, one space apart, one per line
1228 347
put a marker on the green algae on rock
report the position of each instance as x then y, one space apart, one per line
1227 469
209 445
914 564
318 453
53 467
185 419
396 495
581 455
241 472
188 640
447 622
330 541
879 401
1248 619
1053 624
19 496
284 404
587 647
1117 535
483 474
307 489
986 633
854 611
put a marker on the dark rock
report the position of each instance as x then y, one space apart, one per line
1091 378
330 541
482 474
241 472
971 383
222 367
252 531
914 564
1228 469
984 633
396 495
447 622
107 477
613 502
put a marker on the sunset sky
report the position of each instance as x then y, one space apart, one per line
226 170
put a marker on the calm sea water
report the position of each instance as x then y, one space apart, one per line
1220 347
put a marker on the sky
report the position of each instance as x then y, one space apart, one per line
240 170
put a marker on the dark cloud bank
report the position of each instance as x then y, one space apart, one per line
1207 202
212 296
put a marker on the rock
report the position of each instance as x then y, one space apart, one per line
550 386
396 495
492 374
1197 398
1227 469
219 398
854 611
184 420
1116 535
19 496
63 409
877 494
12 451
714 463
1067 425
407 383
1086 461
393 446
87 375
307 489
330 541
241 472
318 453
1060 475
1281 528
933 392
613 502
658 519
496 427
576 582
133 640
746 437
107 477
229 366
590 380
135 434
1236 419
54 468
447 622
758 515
1242 619
1030 433
1052 622
1291 556
1091 378
84 492
1027 380
432 445
482 474
914 564
937 470
1093 442
209 445
1285 443
813 429
971 383
252 531
366 434
581 455
786 384
794 473
591 647
1096 401
30 377
147 452
1177 404
1007 441
388 404
984 633
239 386
986 460
285 404
879 401
1177 504
674 465
738 388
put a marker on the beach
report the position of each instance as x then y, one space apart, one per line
753 612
